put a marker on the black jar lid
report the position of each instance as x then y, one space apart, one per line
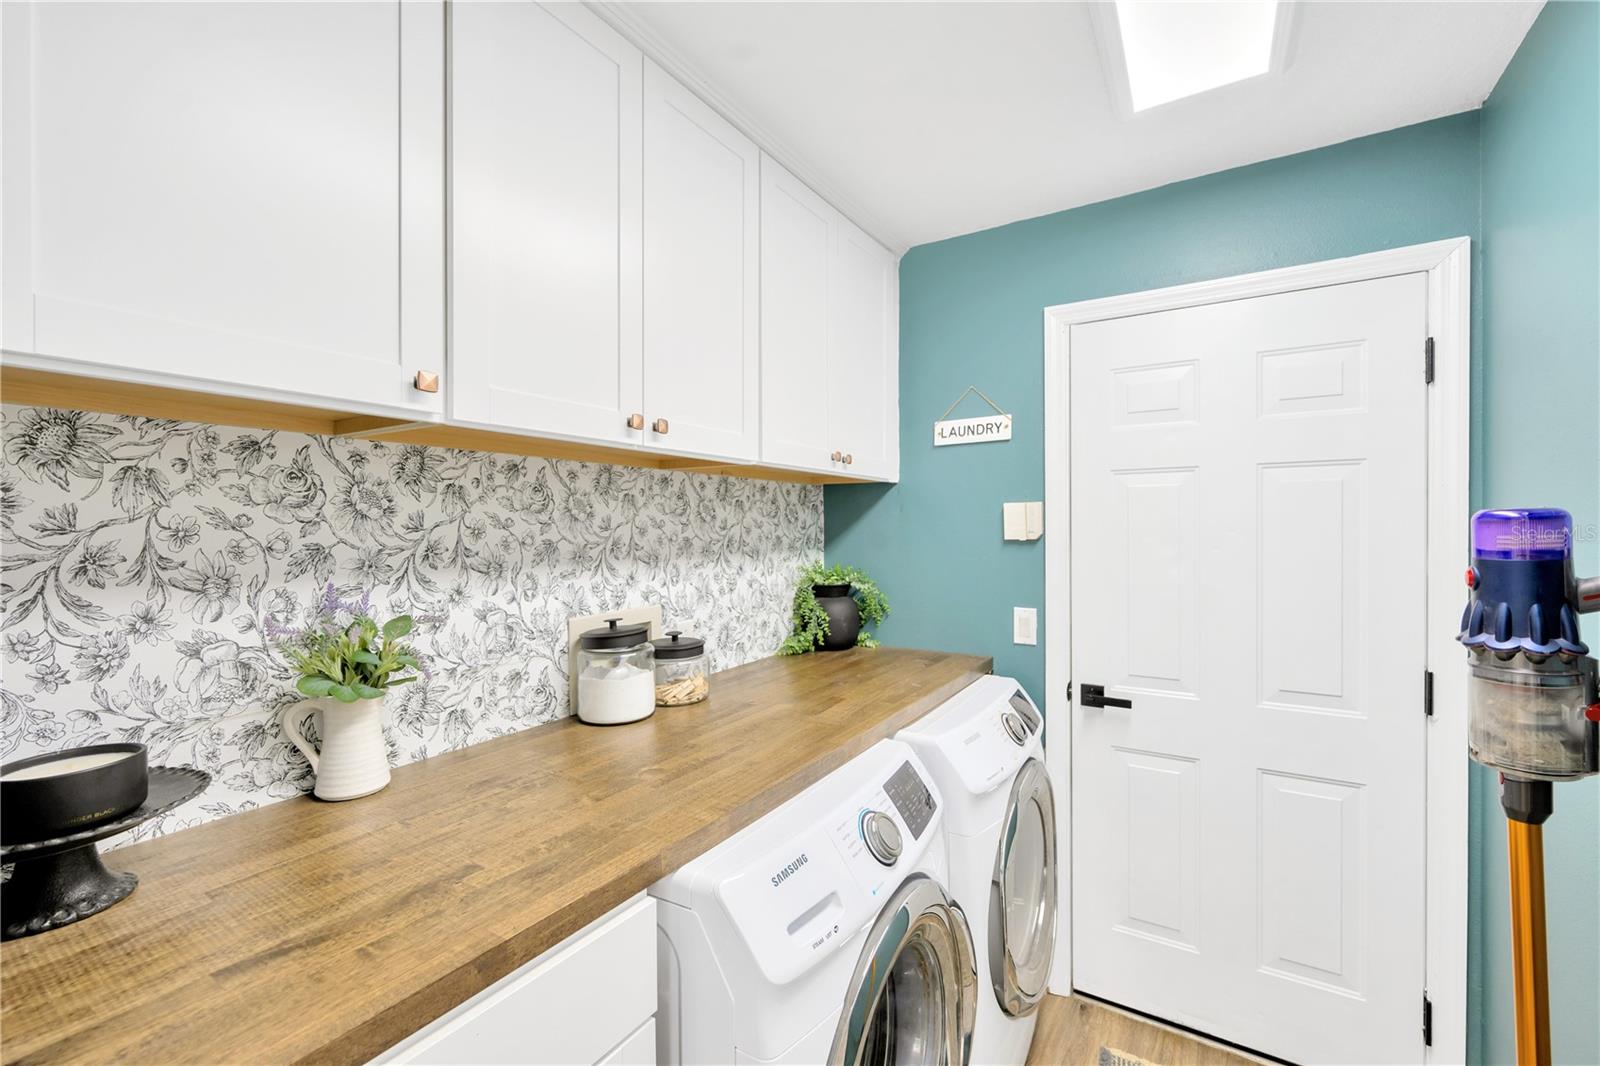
614 635
677 646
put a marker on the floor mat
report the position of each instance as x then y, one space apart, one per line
1110 1056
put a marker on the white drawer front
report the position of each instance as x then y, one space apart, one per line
590 995
638 1050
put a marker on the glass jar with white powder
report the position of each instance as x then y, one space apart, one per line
616 674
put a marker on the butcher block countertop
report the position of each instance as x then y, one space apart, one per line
327 932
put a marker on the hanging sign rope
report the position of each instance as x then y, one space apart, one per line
982 430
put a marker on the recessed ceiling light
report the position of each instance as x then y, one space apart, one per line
1174 50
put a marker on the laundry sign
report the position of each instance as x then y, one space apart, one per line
982 430
972 430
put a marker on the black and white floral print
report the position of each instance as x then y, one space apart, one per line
144 558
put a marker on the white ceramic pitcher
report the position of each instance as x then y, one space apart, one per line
354 760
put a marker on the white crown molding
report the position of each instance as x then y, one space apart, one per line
627 22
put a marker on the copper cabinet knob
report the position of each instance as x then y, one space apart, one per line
636 421
425 381
837 457
659 426
849 459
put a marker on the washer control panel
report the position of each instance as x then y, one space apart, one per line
816 874
910 796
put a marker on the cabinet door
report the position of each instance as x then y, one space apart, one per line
796 233
864 355
590 999
241 196
545 221
702 217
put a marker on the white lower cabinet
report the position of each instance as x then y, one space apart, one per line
590 999
638 1050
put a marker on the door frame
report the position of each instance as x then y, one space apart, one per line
1447 264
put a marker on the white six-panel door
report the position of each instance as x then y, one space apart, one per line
545 221
702 296
1249 508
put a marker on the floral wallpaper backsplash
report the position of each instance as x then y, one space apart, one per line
143 560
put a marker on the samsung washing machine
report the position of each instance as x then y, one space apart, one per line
822 932
984 747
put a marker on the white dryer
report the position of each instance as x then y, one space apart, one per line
822 932
984 747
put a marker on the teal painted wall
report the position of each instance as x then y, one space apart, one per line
1520 177
1540 134
971 313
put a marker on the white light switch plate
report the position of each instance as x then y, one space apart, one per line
1024 625
1023 521
1014 519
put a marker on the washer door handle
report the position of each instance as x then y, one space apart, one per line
1095 696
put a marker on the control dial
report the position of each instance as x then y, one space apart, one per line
1015 727
882 837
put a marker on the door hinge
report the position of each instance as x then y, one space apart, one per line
1427 1021
1427 693
1069 691
1427 362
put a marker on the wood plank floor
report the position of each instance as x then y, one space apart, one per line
1072 1031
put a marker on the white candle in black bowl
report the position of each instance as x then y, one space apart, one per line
48 796
67 764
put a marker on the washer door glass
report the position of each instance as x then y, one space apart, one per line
912 996
907 1026
1022 906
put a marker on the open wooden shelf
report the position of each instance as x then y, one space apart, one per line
44 388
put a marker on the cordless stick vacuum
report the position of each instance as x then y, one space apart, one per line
1533 713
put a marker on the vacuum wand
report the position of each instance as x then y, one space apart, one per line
1533 714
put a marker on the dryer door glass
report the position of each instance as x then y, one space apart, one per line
1022 904
913 993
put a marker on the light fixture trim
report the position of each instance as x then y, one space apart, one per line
1159 52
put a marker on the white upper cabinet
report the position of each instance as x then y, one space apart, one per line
545 222
796 240
864 355
702 298
830 337
244 197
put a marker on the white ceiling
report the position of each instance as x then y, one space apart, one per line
926 120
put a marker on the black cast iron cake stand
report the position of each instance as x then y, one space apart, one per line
61 880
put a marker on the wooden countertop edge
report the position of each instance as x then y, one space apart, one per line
382 1031
377 1026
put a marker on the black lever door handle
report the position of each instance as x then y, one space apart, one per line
1095 696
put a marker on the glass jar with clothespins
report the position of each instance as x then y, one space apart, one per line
683 673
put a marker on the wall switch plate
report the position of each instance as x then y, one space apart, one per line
1015 518
1024 625
577 624
1023 521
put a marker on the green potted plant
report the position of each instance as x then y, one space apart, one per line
346 661
830 605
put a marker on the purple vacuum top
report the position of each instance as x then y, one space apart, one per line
1534 533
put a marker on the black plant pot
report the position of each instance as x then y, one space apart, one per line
844 616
